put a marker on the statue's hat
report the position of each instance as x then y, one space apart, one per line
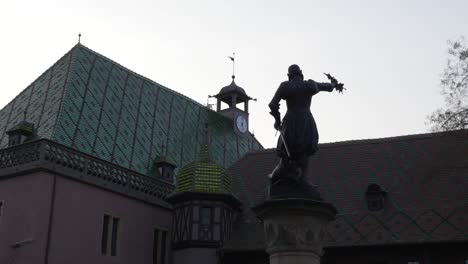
294 70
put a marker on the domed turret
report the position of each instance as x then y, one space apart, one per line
233 88
204 206
203 176
233 95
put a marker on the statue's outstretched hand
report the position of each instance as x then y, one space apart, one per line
339 87
334 82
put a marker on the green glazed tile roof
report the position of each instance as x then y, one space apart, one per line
204 176
91 103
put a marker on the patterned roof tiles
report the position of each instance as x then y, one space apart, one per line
425 177
204 176
92 104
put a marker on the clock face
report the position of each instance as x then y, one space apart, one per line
241 124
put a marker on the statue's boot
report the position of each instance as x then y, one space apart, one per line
283 181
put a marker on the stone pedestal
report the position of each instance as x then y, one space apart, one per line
294 229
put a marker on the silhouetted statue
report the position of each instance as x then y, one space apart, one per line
299 136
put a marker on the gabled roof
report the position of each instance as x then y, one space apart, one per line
425 178
92 104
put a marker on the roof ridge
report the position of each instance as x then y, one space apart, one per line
374 140
138 75
37 78
394 138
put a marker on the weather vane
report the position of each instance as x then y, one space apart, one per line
233 63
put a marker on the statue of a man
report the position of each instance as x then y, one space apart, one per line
299 135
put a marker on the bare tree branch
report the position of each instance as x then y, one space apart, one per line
454 84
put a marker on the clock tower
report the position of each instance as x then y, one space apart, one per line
233 95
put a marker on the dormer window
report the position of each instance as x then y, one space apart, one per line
14 140
20 133
375 197
164 169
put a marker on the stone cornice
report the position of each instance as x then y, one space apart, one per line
46 155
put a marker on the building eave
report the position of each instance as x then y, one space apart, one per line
47 155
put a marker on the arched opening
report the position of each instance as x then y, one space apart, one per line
375 197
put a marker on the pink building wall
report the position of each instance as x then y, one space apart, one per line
76 222
25 217
78 218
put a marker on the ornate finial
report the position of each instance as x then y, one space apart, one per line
233 63
79 38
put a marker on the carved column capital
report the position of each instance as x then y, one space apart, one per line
285 236
294 229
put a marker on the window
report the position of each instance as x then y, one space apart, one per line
206 216
105 234
1 211
375 197
205 223
159 246
165 170
110 231
14 140
115 230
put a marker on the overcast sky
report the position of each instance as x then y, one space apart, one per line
389 54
